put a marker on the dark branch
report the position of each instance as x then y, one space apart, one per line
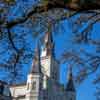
50 6
11 40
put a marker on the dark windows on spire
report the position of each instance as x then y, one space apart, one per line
34 85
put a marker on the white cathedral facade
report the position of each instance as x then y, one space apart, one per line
43 79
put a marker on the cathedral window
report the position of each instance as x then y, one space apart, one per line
33 85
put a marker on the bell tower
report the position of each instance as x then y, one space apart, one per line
34 81
70 89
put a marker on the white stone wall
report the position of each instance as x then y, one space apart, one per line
46 65
18 91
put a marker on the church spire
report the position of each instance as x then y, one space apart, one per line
70 84
48 40
36 66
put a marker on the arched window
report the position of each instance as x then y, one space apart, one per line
34 85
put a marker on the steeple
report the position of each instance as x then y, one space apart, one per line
34 81
36 66
48 42
70 83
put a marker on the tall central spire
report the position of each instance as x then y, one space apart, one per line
36 66
48 40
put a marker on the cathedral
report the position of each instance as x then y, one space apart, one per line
43 78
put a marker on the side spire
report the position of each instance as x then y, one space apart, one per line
36 66
70 83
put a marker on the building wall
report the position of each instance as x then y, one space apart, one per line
56 91
53 91
18 91
33 86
